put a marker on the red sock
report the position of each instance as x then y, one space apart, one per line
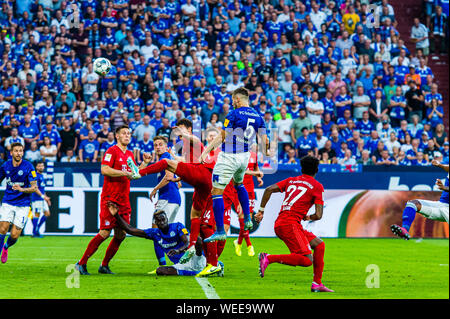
113 247
220 247
154 168
210 249
91 248
195 230
318 263
243 234
291 259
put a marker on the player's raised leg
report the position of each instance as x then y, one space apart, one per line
408 216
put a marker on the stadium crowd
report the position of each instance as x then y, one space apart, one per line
329 80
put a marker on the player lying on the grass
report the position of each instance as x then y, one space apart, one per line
241 128
173 240
39 201
429 209
20 184
300 193
116 188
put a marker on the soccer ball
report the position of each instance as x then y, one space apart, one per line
102 66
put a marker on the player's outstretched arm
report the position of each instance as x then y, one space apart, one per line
442 166
213 145
113 209
266 196
111 172
318 215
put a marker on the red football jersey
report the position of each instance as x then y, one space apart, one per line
116 189
191 152
248 179
301 192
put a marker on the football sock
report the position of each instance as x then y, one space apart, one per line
291 259
243 234
210 248
243 200
220 247
318 263
112 249
195 230
160 255
2 241
154 168
11 241
219 211
91 248
35 221
409 213
42 221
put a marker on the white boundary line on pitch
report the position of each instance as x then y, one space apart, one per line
209 290
443 265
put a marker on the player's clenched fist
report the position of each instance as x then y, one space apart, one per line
113 208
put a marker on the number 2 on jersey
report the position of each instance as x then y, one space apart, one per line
291 190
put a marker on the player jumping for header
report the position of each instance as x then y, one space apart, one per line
300 193
242 125
429 209
20 184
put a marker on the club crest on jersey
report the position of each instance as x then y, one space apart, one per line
172 234
20 173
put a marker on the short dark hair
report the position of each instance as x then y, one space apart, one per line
310 165
16 144
160 137
185 122
242 91
119 128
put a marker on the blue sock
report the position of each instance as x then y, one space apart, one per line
41 221
219 211
11 241
409 213
160 255
35 224
243 200
2 241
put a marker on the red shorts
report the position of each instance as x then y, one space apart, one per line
200 177
295 237
108 221
208 215
230 198
252 201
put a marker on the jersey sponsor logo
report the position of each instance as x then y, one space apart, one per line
107 157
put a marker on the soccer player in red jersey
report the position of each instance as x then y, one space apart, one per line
198 175
301 192
252 170
116 189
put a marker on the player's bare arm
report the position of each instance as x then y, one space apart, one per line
114 209
318 214
146 159
111 172
441 186
441 166
32 189
258 174
266 196
43 196
178 251
167 178
213 145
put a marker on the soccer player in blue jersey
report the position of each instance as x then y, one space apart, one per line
429 209
169 198
241 127
39 201
20 184
173 240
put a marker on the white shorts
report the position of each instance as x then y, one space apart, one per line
39 207
14 214
434 210
192 267
229 166
171 209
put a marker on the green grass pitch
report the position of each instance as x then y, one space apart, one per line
407 269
